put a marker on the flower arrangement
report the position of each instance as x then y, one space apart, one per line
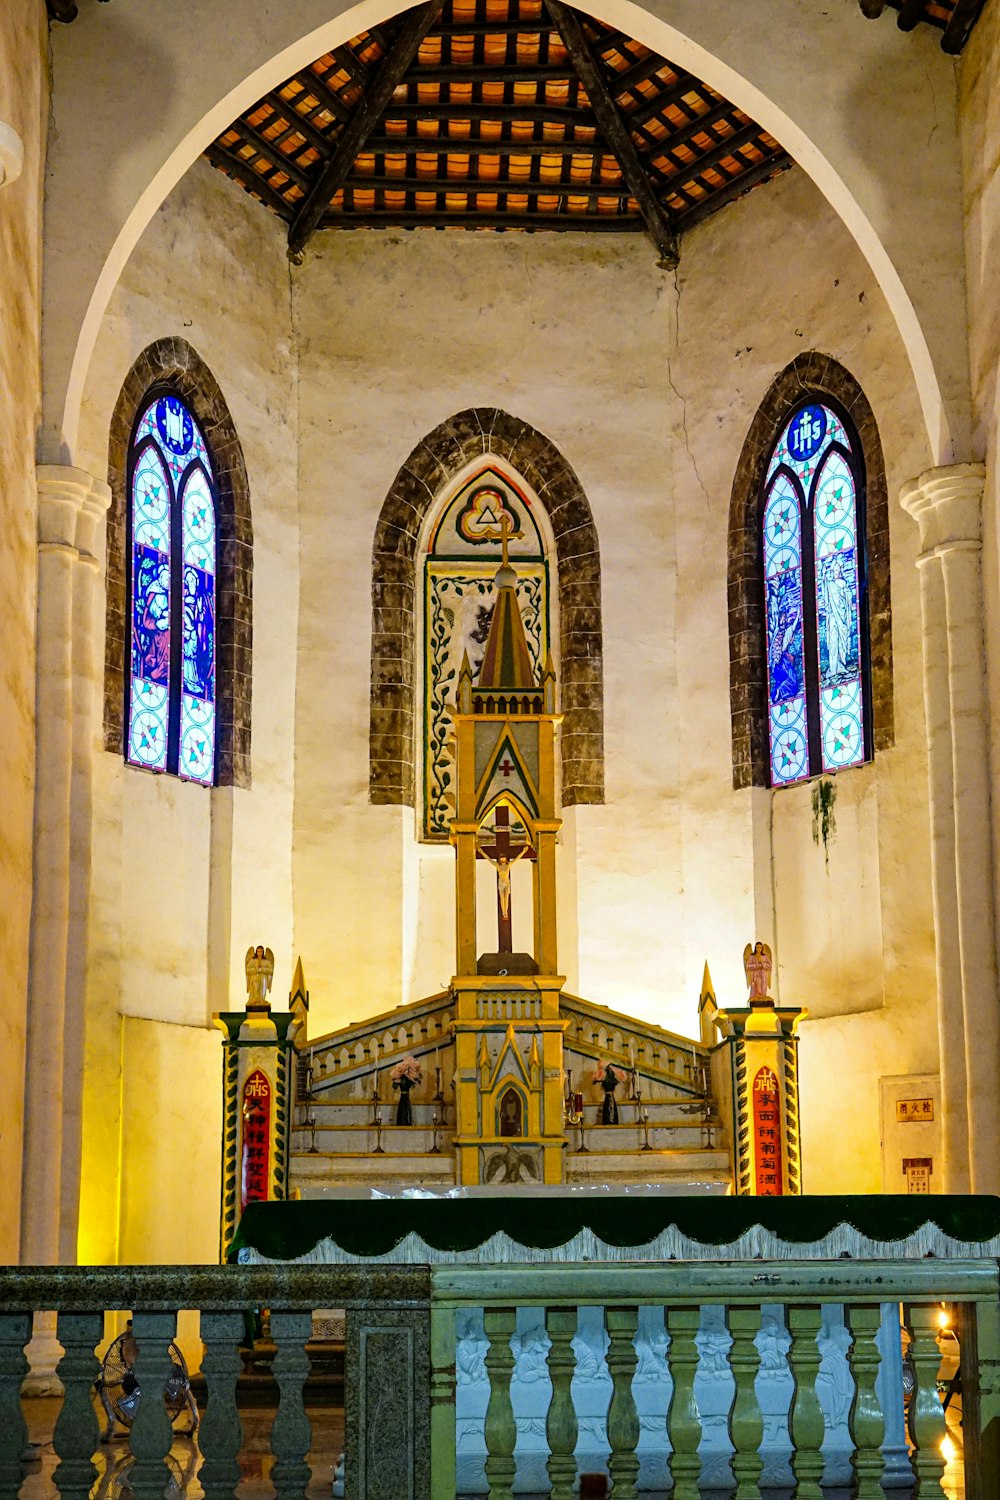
409 1069
606 1071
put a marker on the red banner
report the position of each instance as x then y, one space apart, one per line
767 1134
256 1177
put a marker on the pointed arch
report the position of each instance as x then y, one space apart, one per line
171 366
810 375
438 457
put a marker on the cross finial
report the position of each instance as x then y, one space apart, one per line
507 532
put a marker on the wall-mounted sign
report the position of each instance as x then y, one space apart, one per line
918 1171
909 1111
256 1176
767 1134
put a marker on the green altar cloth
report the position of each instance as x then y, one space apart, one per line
599 1227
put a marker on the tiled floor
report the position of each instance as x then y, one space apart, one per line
256 1459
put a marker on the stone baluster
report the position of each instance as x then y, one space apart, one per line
221 1432
927 1420
806 1426
623 1419
501 1429
291 1433
151 1435
746 1422
866 1421
77 1434
560 1422
15 1331
683 1416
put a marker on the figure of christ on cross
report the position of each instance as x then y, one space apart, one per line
502 855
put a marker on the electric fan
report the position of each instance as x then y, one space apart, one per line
119 1390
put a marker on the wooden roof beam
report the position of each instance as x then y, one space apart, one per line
435 219
371 106
478 187
911 12
614 130
451 145
959 28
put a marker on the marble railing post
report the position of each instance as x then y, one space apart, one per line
70 505
946 503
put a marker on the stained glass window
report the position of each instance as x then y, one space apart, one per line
814 598
172 549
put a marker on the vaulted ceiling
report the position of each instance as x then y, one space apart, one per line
495 114
508 115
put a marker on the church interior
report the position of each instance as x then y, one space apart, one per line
500 558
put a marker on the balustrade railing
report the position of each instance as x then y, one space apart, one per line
460 1378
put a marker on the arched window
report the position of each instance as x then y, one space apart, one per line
171 601
812 535
474 442
460 558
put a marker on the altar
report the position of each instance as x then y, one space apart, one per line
507 1125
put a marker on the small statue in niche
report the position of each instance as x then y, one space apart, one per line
404 1075
609 1078
260 973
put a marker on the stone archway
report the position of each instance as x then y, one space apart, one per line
445 451
897 190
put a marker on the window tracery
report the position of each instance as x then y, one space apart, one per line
172 528
812 535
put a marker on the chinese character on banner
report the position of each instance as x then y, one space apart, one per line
766 1139
256 1178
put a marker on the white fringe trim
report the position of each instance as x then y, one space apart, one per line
755 1243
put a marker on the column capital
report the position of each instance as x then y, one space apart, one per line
946 504
70 504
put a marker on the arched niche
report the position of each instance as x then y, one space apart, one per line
426 476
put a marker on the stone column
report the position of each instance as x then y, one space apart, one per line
946 503
70 504
88 598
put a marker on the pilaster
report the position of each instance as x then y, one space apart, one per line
946 503
71 505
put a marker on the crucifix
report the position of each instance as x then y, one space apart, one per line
502 856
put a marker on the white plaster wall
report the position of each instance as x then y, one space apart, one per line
395 334
186 878
851 924
24 92
648 385
979 125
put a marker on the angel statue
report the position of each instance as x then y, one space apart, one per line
260 973
757 968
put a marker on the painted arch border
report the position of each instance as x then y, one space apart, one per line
816 374
173 366
433 464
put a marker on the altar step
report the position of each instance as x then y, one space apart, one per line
327 1139
663 1113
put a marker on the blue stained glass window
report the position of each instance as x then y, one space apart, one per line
171 689
814 599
